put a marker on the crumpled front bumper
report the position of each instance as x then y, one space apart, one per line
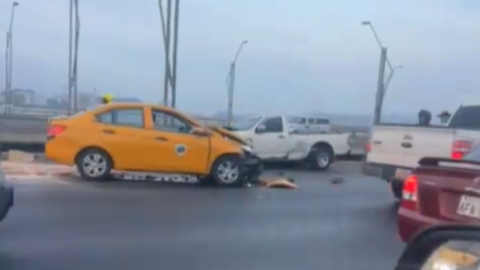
251 166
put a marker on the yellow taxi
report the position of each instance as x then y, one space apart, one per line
148 138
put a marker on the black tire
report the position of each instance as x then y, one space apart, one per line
234 178
206 180
5 204
396 186
320 158
100 171
3 213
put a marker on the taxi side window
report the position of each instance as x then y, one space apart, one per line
122 117
168 122
106 118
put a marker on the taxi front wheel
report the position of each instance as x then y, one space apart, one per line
226 171
94 164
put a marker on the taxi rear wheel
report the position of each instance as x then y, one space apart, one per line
94 164
226 171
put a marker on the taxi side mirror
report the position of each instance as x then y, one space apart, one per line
201 132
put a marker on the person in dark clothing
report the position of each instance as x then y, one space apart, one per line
444 117
424 118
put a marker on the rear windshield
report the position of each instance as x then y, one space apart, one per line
466 117
474 155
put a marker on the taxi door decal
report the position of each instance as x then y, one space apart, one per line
180 149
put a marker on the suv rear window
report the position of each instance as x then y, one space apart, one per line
321 121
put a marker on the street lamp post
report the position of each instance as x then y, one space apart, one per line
382 85
73 41
9 61
231 83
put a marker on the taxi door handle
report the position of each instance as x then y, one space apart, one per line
162 139
108 131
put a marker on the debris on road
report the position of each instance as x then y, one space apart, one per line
285 183
32 170
337 180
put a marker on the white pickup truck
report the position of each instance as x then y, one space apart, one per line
272 140
394 150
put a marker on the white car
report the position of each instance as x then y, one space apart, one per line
272 140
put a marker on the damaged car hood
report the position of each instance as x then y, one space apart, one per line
228 134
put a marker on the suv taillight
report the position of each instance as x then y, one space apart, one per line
409 192
460 148
54 130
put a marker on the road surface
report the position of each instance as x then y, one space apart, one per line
70 224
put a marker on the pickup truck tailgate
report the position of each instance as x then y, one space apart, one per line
404 146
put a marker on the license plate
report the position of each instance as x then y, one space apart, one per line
402 173
469 206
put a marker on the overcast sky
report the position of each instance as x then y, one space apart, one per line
304 56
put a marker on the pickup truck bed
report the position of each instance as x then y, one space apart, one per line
395 150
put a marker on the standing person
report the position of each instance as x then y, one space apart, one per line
424 118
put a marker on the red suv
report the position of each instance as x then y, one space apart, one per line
440 191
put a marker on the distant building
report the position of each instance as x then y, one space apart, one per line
19 97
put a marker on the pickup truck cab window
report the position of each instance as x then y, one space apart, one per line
467 117
271 125
122 117
167 122
474 155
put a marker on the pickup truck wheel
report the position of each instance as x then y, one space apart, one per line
226 171
94 164
320 158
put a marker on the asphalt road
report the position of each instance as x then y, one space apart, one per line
70 224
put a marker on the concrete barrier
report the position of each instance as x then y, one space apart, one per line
20 129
